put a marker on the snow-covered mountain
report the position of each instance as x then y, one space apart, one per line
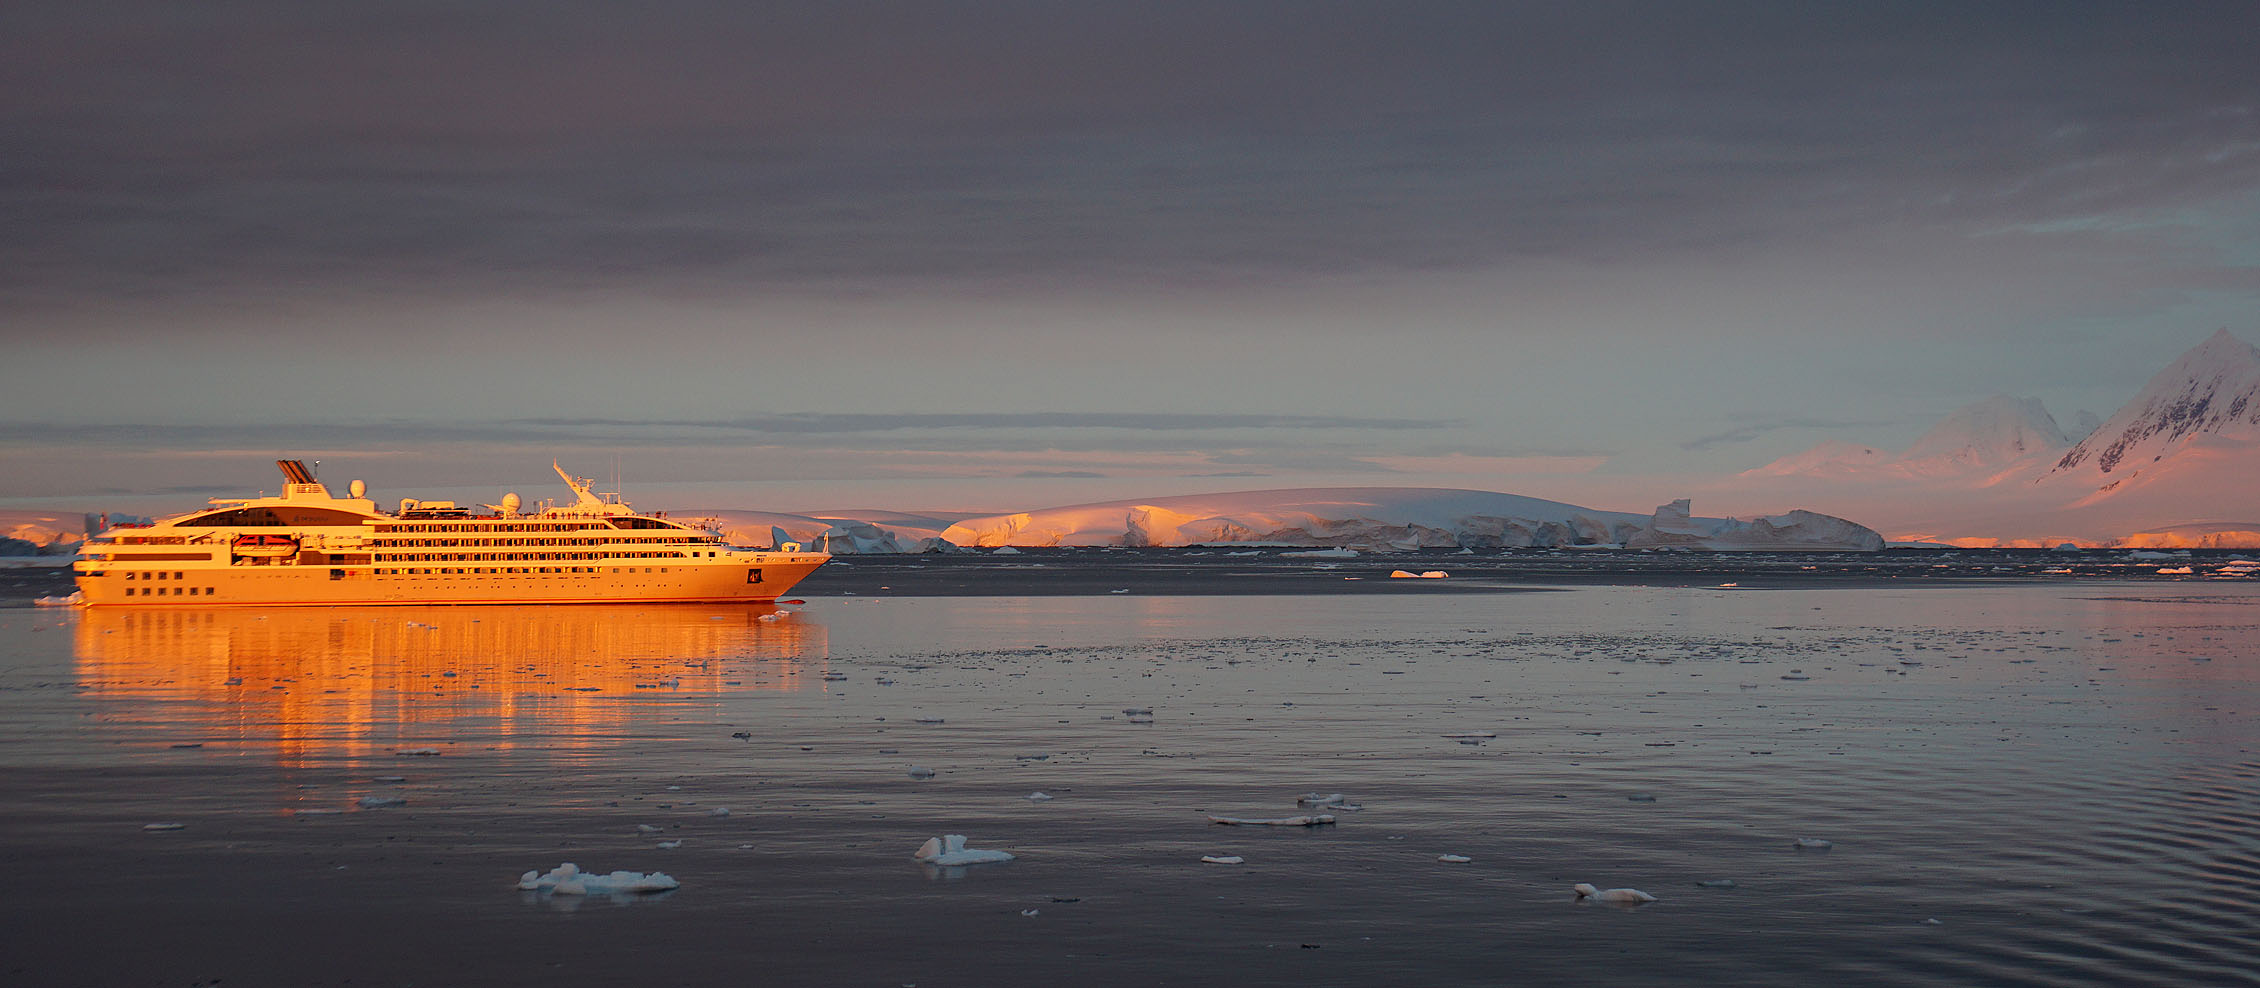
1397 518
2181 457
1992 433
2211 393
1979 440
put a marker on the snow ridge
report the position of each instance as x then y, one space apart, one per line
1402 518
2212 390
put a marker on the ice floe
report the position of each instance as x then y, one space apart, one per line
164 826
569 879
1811 844
1222 859
374 802
1454 858
1313 820
1631 897
949 851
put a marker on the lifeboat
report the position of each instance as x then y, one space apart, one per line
266 546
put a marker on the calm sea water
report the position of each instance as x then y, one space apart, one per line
2021 784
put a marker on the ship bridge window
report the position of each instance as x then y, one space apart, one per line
644 523
276 517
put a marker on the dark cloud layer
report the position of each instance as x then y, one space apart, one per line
1035 429
160 150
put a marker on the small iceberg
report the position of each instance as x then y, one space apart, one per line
1630 897
1811 844
1454 858
1222 859
73 599
1315 820
1038 797
374 802
569 879
950 851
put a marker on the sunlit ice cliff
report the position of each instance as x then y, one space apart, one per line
1402 518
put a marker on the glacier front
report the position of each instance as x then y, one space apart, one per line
1401 518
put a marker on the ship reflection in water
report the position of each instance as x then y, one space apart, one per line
353 685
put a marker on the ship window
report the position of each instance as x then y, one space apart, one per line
129 591
129 576
274 517
180 576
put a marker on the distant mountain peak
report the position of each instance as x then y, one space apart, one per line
1998 430
2214 389
1989 434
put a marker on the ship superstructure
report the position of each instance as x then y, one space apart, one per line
306 546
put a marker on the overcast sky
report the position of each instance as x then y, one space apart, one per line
1007 255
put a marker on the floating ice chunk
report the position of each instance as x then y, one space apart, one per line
569 879
73 599
1454 858
1314 820
1318 799
1717 883
1223 859
373 802
1005 550
417 752
164 826
950 851
668 845
2174 571
1630 897
1037 797
1030 912
645 828
921 772
719 811
1811 844
1933 921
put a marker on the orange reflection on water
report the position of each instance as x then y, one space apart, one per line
354 683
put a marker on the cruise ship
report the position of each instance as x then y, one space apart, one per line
306 546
